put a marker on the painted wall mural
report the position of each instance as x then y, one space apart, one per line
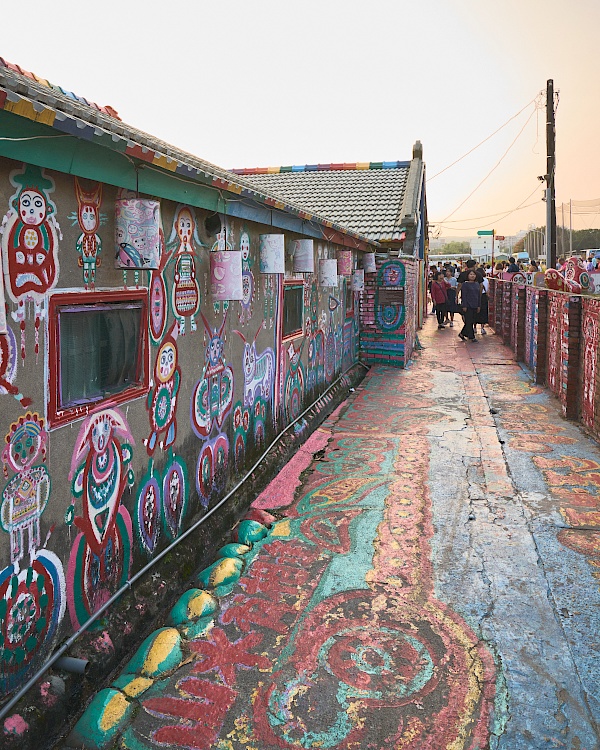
100 471
211 402
164 390
390 315
184 243
8 368
30 237
89 219
259 370
32 587
247 279
161 503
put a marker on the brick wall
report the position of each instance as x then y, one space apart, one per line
589 372
388 329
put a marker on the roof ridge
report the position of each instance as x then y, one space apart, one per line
347 166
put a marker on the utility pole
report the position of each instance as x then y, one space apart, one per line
550 172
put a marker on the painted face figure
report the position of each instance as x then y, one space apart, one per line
89 218
166 362
214 350
245 246
174 492
25 446
185 226
101 434
32 207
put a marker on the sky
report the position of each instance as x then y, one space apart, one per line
263 83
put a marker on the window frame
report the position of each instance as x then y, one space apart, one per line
299 284
58 415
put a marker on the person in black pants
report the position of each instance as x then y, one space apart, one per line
439 295
470 302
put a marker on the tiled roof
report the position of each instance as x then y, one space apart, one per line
26 95
366 197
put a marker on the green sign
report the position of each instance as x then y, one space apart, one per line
482 232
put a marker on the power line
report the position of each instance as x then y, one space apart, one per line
492 170
533 101
518 208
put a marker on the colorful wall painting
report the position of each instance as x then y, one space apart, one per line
157 293
100 471
184 241
3 323
8 368
270 298
89 219
272 253
161 502
589 326
259 370
390 315
293 395
32 594
164 390
211 469
247 279
241 426
30 236
213 395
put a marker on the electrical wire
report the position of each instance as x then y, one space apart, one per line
493 169
518 208
533 101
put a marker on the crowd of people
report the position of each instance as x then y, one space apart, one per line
460 290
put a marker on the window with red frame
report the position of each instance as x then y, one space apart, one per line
293 309
98 351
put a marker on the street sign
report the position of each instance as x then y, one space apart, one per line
483 232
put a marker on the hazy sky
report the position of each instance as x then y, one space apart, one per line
264 83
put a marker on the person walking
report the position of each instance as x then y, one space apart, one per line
452 307
470 302
439 296
482 316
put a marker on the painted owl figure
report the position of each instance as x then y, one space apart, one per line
162 399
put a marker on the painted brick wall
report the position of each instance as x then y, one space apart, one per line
589 381
388 330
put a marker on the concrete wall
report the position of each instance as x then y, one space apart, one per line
556 335
89 499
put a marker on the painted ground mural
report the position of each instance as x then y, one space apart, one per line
333 637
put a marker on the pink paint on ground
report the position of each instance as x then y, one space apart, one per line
15 724
103 644
280 492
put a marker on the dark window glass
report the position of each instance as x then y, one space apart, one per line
293 306
100 352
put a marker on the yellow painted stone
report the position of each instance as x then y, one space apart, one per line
163 645
114 712
200 604
282 528
137 686
223 570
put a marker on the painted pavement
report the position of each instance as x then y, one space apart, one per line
432 583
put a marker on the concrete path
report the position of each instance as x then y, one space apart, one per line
433 580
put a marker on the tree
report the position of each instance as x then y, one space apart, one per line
456 248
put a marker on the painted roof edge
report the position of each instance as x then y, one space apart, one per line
27 97
347 166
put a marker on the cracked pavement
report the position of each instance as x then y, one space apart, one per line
431 581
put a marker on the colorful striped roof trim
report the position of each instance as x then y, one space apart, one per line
107 110
323 167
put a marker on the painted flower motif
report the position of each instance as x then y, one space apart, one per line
237 417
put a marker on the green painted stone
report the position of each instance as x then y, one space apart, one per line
191 606
224 572
234 550
159 653
105 717
197 629
249 532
